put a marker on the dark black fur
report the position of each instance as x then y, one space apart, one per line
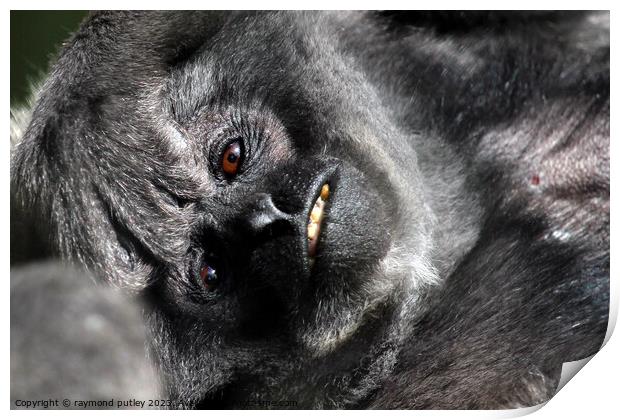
465 255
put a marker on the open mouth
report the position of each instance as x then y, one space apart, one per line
315 219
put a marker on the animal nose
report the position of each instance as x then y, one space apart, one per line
263 213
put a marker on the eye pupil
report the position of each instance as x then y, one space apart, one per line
231 159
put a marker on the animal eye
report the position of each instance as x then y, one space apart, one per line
208 274
231 158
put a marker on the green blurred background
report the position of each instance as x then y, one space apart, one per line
35 38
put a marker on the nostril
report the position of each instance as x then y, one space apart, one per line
264 213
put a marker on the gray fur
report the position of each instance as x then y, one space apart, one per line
464 149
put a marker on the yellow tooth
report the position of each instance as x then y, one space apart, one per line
316 214
312 230
325 192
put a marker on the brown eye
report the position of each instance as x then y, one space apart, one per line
231 159
208 276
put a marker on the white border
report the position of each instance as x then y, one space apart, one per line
592 394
